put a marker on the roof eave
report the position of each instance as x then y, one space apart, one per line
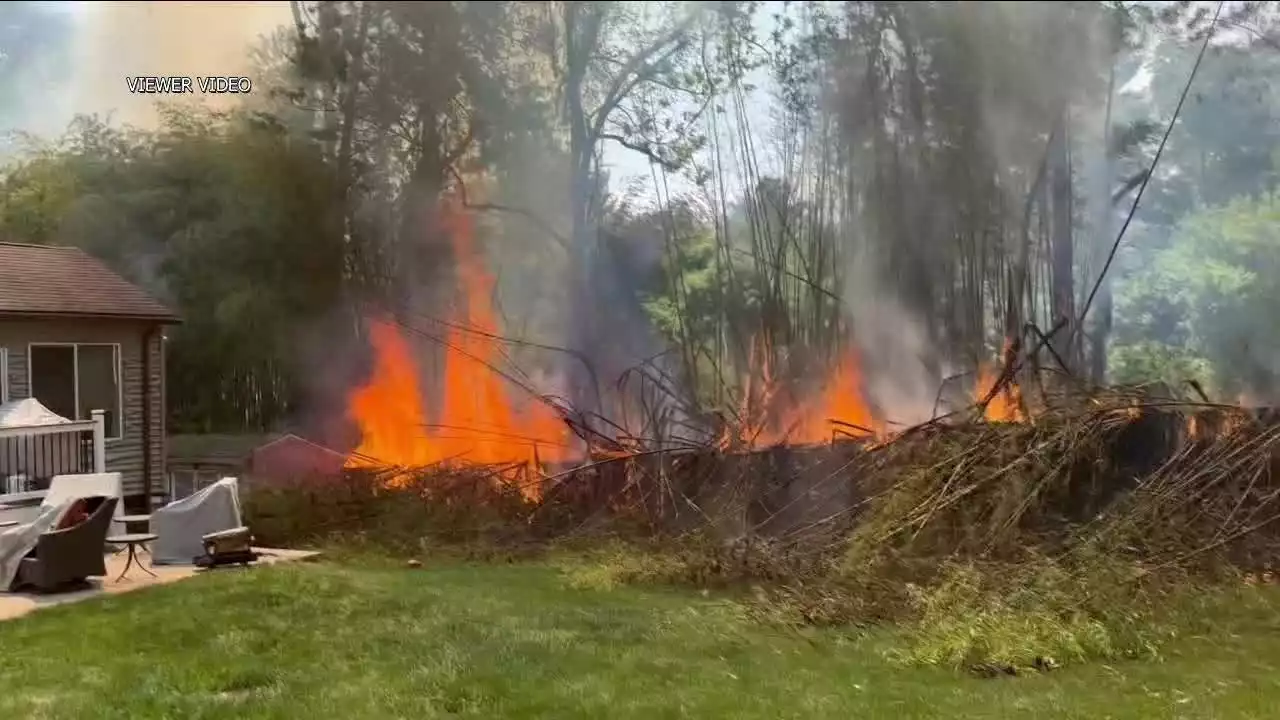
205 460
27 315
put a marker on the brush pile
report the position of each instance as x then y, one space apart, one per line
1058 531
1163 482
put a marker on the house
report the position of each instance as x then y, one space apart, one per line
197 461
77 337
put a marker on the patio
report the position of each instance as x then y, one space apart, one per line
14 605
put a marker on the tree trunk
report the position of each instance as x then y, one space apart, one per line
582 333
346 139
1101 334
422 249
1062 263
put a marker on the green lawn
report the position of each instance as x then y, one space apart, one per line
328 641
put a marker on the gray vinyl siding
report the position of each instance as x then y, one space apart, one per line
126 454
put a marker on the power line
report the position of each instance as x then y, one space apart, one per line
1133 209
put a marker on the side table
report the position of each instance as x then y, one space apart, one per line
133 541
128 520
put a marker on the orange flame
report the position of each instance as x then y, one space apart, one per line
477 420
838 409
1006 406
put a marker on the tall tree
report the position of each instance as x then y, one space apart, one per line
639 75
229 220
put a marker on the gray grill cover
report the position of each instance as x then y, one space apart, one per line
180 524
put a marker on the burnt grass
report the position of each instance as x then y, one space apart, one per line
1086 534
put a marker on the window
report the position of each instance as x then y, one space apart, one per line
4 375
186 482
181 483
75 380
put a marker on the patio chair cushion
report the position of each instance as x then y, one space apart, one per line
76 514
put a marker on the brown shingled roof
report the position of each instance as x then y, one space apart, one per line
42 280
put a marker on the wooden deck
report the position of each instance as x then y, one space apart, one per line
14 605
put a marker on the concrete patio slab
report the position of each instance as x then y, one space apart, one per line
14 605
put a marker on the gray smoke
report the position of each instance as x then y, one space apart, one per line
88 50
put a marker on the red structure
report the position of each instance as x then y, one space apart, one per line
290 457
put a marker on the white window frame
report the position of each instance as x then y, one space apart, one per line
119 378
4 375
193 476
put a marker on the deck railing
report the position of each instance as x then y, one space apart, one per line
31 456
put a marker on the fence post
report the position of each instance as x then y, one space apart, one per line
99 440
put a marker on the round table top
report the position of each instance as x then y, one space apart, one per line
132 538
134 518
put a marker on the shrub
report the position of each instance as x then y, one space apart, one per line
418 511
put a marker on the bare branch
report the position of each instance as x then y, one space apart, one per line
645 149
637 70
494 207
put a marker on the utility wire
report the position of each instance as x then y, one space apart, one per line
1133 209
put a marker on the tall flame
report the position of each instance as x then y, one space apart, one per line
838 409
478 420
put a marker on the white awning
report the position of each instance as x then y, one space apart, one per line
29 413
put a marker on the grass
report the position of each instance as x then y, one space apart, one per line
521 641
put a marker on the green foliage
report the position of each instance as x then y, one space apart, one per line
1208 302
1155 362
429 510
1031 615
226 219
613 564
1221 148
688 290
37 194
1041 614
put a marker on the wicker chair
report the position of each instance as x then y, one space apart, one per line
71 555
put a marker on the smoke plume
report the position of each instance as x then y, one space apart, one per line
119 39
